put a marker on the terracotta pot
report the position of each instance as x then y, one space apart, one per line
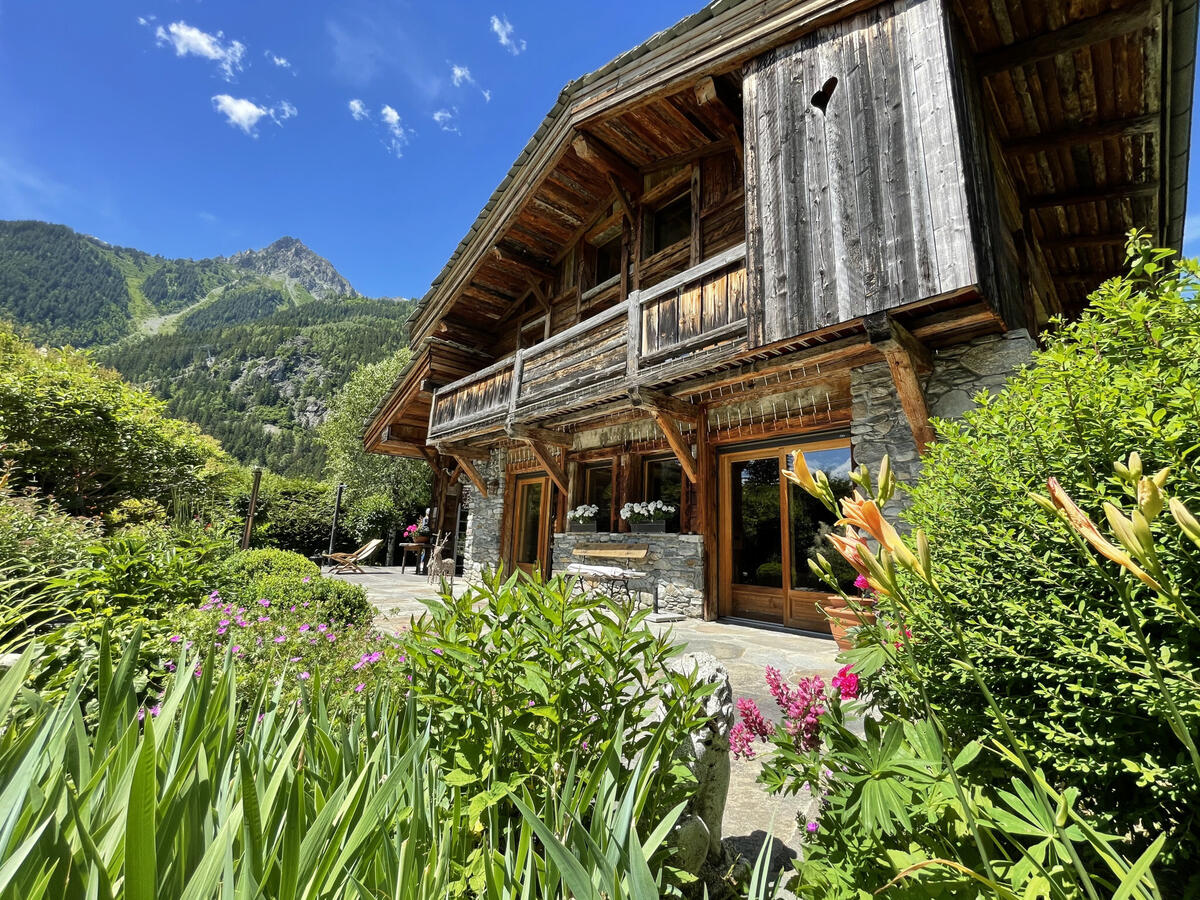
842 618
420 539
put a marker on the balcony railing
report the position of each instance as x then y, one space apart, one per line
694 318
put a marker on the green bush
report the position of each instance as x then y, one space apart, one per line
1051 637
247 565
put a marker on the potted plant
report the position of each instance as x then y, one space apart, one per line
843 616
583 518
649 516
414 534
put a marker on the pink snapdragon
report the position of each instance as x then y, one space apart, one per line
753 725
802 706
861 583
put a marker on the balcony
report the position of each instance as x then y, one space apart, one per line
678 327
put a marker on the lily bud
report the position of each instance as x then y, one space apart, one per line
1187 523
1149 498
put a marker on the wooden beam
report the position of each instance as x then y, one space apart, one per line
1080 133
462 451
678 445
472 473
541 435
1083 241
721 112
545 456
403 434
1093 195
905 360
592 150
659 402
624 199
509 257
1075 36
889 336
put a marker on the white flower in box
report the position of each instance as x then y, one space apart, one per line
584 513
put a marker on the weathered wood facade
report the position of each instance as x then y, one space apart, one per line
712 240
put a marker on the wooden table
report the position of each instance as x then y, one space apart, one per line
405 549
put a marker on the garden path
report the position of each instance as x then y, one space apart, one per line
744 650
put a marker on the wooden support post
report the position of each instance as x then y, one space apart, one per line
706 459
633 340
906 357
544 455
696 244
679 446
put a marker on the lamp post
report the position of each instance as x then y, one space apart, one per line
253 503
337 509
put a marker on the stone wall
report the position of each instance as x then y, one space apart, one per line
675 563
482 548
959 373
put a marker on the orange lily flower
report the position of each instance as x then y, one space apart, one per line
849 546
800 475
866 516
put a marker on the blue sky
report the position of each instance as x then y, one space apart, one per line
192 128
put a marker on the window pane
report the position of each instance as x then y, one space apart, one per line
672 223
598 490
608 260
809 521
530 499
664 481
757 542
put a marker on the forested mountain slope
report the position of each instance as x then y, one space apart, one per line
251 347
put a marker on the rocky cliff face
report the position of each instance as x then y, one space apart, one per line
290 260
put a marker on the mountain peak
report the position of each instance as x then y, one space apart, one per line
291 260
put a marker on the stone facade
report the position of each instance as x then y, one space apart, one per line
482 548
879 427
675 563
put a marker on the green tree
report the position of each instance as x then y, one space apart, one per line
403 483
78 433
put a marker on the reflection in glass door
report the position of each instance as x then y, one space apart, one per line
531 524
770 529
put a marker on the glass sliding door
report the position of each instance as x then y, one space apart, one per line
770 529
530 547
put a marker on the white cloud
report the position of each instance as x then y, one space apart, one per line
359 110
146 20
280 61
190 41
399 134
246 114
487 95
460 75
503 30
446 119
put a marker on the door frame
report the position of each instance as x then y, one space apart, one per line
788 596
512 499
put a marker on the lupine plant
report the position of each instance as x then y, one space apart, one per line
902 810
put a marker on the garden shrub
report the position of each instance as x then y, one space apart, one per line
247 565
1050 635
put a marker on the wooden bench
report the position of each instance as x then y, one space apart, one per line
610 578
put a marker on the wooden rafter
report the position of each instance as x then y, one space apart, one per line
538 267
1094 195
906 357
1075 36
721 113
592 150
1083 241
625 200
1081 133
680 447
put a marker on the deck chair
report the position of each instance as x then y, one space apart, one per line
344 563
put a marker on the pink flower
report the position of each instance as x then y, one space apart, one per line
175 638
846 682
811 827
264 602
861 583
155 710
322 627
359 687
306 579
169 666
224 623
304 628
438 650
222 630
264 618
741 742
304 676
294 659
802 706
280 639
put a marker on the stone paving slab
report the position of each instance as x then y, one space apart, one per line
745 651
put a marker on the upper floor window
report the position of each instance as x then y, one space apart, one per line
608 259
669 224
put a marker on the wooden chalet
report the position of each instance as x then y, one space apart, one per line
780 227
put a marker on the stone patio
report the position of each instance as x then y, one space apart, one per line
745 652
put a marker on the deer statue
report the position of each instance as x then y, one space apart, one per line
440 567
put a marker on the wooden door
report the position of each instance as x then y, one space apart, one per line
530 548
768 530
